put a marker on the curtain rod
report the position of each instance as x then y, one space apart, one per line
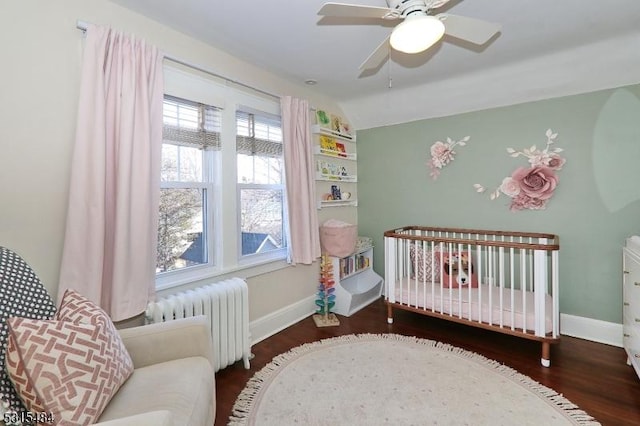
82 25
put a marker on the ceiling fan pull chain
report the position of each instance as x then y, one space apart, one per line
390 80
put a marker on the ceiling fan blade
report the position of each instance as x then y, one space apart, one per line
470 29
377 56
357 11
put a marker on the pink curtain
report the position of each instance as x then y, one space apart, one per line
304 238
111 232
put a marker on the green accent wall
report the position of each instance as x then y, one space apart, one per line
595 206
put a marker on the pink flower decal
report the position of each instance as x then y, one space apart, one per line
442 153
536 182
523 201
531 187
556 162
510 187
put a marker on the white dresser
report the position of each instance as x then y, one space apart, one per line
631 301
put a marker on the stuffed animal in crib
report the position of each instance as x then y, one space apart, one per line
457 270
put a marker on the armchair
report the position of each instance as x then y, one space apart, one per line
172 382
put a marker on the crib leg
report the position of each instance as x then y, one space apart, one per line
389 314
546 354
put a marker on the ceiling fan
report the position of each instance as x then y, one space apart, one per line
418 30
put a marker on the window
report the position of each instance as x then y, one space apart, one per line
261 193
191 131
222 206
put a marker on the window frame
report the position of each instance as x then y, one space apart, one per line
248 259
219 175
208 225
260 118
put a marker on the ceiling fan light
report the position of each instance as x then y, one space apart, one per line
416 33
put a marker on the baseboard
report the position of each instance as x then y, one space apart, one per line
594 330
608 333
269 325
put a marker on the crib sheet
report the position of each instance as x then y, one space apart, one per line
514 309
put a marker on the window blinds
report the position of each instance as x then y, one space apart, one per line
258 135
190 123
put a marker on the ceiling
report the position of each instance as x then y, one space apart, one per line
288 38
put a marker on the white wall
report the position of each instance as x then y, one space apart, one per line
41 54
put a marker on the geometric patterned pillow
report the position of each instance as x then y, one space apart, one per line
76 308
21 295
72 368
428 265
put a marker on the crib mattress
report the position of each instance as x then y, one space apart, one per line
509 308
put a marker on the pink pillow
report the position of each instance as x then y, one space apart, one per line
70 368
425 263
457 270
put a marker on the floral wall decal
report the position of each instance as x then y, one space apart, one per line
442 153
531 187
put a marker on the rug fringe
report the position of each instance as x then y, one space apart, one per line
245 401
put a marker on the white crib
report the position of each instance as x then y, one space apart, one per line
496 280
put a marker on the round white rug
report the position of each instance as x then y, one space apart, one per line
390 379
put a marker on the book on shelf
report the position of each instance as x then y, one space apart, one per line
336 123
326 168
335 192
322 118
329 145
333 123
329 170
352 264
339 125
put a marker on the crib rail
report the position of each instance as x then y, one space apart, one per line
493 279
526 240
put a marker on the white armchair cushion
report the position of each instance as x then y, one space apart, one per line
153 418
184 386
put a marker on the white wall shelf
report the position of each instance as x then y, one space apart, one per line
315 128
336 171
351 156
337 203
336 178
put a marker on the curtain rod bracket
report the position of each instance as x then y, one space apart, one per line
82 25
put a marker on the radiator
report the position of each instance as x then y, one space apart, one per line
226 305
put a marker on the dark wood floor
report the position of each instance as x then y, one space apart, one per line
592 375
